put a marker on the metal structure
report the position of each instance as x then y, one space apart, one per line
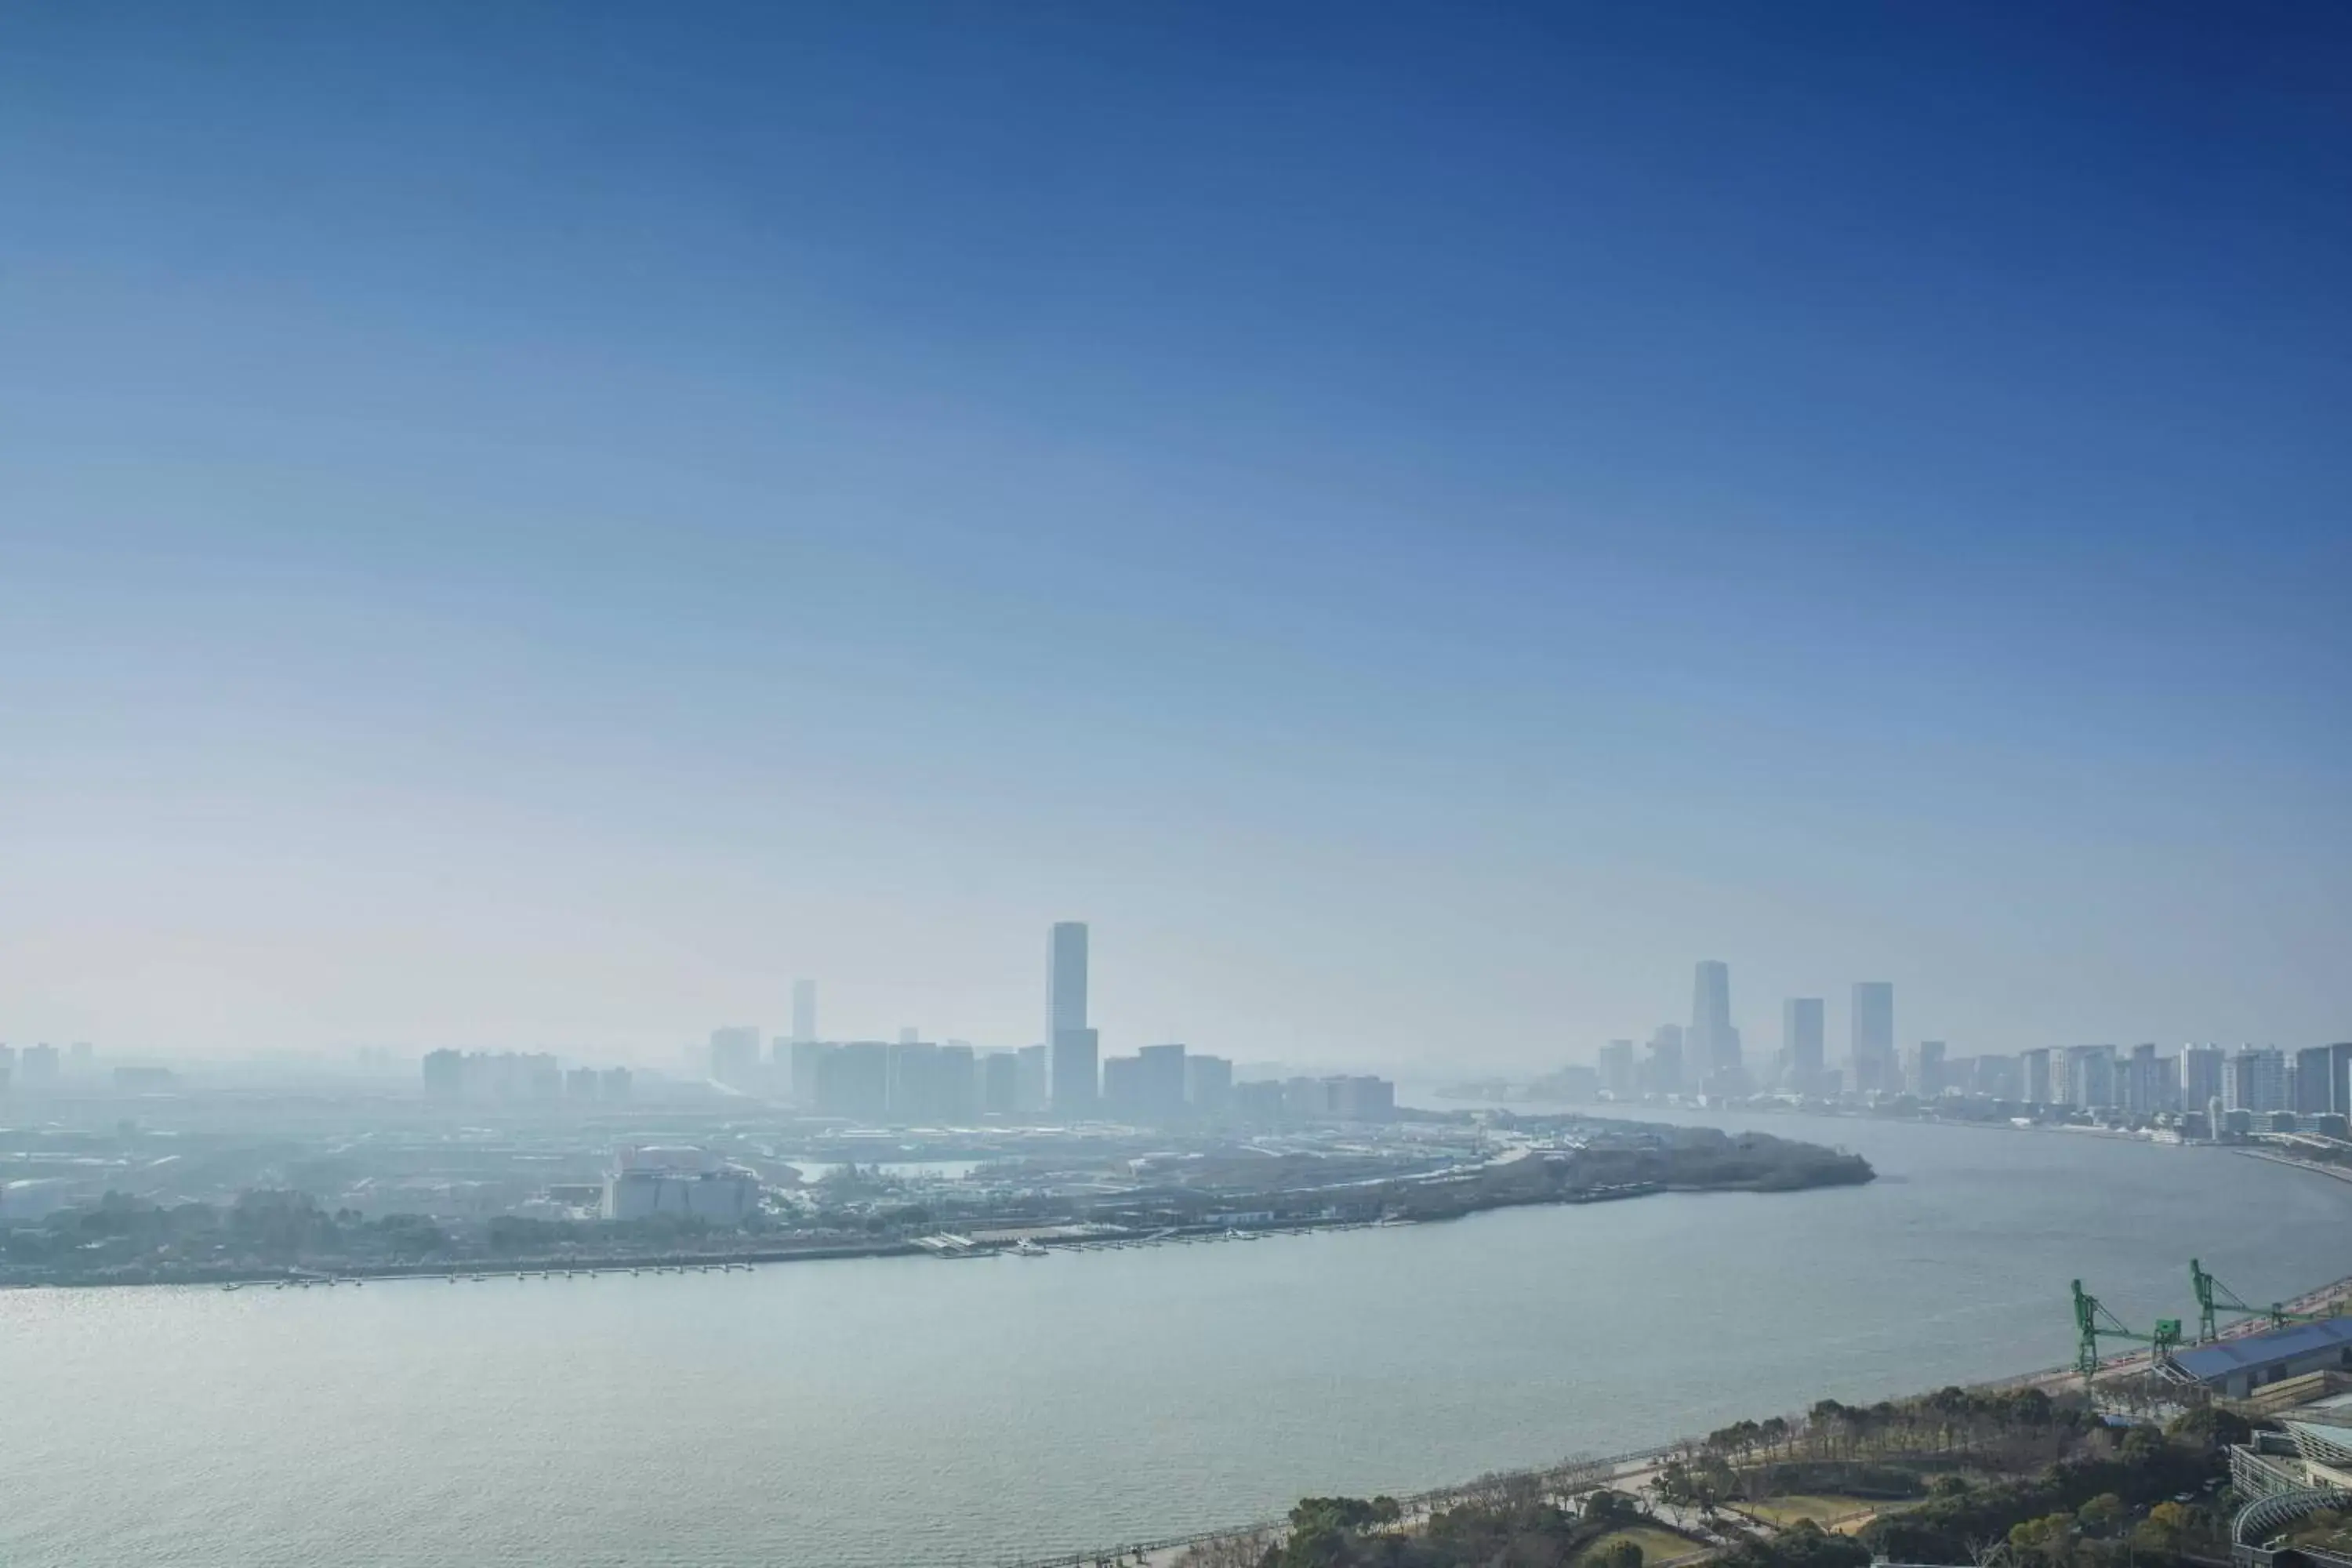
2255 1534
2213 1296
2093 1322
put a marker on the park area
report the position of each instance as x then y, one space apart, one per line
1828 1509
2016 1477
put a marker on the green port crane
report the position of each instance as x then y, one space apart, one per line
2093 1323
2212 1297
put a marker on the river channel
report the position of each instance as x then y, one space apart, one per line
889 1412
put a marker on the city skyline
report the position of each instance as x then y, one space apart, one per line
1805 1022
1485 731
481 586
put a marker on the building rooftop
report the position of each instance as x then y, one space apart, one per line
2268 1348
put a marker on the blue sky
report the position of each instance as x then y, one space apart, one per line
538 524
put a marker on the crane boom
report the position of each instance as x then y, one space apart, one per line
2213 1297
2093 1322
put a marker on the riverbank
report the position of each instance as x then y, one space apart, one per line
1635 1470
323 1273
307 1275
2337 1172
889 1403
126 1242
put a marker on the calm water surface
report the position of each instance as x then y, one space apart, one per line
893 1412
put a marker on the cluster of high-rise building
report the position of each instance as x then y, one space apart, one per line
518 1078
1065 1074
1704 1056
44 1067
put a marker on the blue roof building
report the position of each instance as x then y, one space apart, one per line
2236 1367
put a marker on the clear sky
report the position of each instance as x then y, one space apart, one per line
535 524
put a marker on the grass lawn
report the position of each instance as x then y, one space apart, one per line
1822 1508
1657 1545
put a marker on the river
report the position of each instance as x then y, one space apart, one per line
889 1412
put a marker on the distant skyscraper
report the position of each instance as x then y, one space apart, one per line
2323 1081
1711 998
2200 1076
2142 1087
1065 977
735 1055
1076 1078
959 1083
1804 1030
1711 1047
2256 1081
803 1011
1208 1083
853 1080
1874 1037
2038 1088
1000 1083
1071 1048
444 1075
1662 1067
1617 1068
1122 1086
807 1056
1927 1069
1030 1092
1998 1078
915 1092
2089 1082
1160 1081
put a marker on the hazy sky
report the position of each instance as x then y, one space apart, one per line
536 524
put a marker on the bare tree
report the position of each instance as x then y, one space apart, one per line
1243 1548
1990 1552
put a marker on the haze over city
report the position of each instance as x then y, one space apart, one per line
1416 541
1252 783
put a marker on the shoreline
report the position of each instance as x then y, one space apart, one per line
1633 1466
2337 1172
306 1275
1210 1510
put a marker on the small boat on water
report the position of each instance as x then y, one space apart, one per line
1026 1248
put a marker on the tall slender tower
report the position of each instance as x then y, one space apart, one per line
803 1011
1070 1045
1801 1068
1712 1046
1874 1037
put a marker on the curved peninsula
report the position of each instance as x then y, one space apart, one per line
1089 1187
1582 1160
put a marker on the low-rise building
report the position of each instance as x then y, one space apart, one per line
2237 1366
689 1184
